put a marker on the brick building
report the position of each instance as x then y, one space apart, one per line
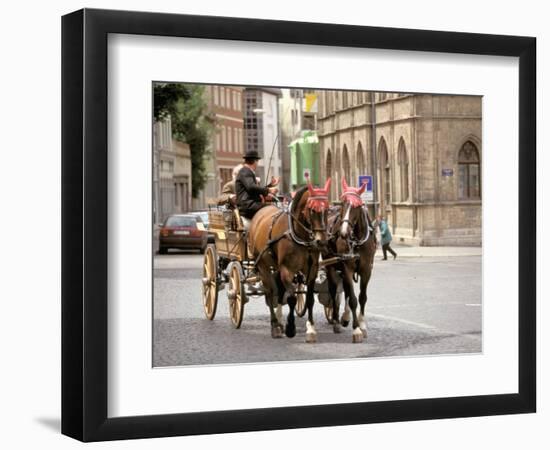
424 152
225 108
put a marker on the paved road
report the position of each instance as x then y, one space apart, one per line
417 306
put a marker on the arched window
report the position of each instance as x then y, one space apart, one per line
468 172
361 160
337 170
346 166
403 161
385 173
328 167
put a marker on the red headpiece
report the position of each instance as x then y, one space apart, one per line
318 197
352 195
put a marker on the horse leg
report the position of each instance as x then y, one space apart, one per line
311 333
333 279
357 335
346 316
287 279
365 277
271 302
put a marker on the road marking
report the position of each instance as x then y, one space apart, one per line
408 322
414 305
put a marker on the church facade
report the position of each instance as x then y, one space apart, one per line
424 152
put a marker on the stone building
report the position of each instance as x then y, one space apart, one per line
424 152
171 173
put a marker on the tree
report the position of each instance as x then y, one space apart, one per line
186 106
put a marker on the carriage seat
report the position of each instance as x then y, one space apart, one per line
242 223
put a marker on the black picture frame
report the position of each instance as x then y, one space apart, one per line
84 224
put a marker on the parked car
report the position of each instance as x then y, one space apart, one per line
204 217
183 231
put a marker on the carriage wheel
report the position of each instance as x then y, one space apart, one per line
209 282
301 301
236 295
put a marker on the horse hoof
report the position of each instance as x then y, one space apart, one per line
276 333
311 338
344 323
337 328
290 331
357 336
364 331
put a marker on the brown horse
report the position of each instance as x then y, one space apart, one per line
354 240
286 245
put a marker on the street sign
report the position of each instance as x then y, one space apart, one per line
368 194
447 172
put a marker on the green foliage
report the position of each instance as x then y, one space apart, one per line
186 106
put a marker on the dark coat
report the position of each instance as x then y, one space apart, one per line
248 193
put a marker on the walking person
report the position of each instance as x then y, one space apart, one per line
386 237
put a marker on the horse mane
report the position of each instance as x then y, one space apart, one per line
298 198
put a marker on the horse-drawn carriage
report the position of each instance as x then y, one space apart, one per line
284 257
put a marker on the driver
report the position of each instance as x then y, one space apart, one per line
249 192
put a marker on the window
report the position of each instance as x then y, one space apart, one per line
216 99
346 165
309 122
328 171
360 160
403 161
382 96
385 174
224 139
469 172
222 97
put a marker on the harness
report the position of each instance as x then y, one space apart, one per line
290 233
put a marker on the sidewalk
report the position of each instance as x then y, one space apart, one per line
406 251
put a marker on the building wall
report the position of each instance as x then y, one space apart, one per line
226 110
424 206
262 129
270 139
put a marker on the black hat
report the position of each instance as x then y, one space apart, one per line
252 154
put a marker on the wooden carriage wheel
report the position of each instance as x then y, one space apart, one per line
301 301
209 282
236 295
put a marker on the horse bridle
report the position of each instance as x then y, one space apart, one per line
352 240
292 219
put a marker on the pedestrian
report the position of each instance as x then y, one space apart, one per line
386 237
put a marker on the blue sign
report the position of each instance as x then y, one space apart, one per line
447 172
368 179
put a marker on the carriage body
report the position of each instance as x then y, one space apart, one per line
226 262
229 234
